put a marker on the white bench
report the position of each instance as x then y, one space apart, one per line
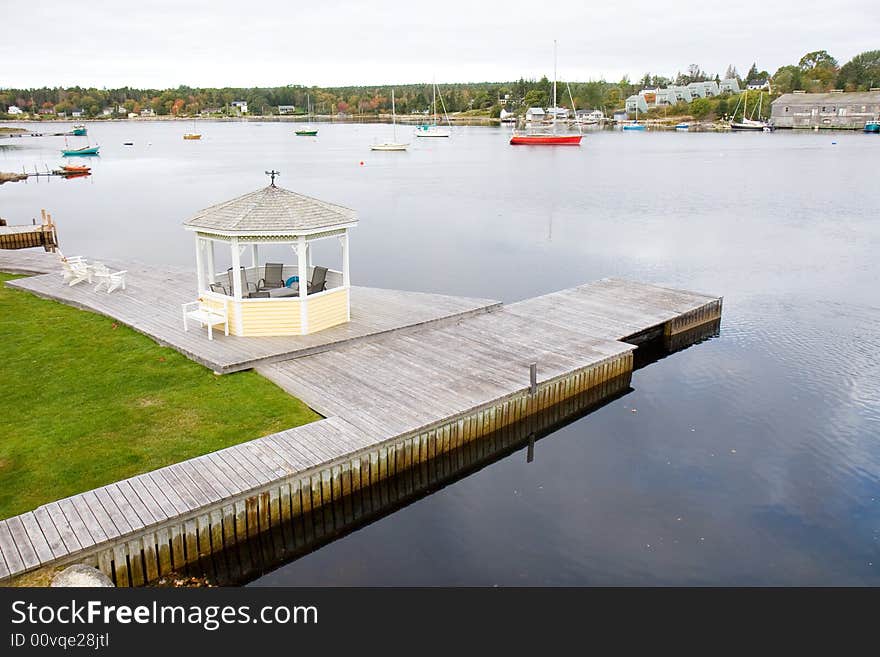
206 316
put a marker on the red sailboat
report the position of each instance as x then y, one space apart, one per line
551 138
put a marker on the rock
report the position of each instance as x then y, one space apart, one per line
80 575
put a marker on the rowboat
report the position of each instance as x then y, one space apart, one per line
634 126
69 168
192 135
85 150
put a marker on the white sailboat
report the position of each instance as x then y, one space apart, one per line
434 130
391 145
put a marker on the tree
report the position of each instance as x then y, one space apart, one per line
536 98
861 72
817 58
731 73
753 73
701 108
787 79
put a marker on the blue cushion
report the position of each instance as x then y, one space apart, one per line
290 281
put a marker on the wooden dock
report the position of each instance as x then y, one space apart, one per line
394 399
43 235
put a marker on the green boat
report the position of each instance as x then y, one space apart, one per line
873 126
85 150
307 130
79 130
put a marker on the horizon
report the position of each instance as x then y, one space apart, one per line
344 43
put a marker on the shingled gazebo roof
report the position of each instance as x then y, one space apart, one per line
271 211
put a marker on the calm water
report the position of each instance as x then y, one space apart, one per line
753 458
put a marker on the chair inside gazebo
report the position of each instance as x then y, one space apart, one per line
275 280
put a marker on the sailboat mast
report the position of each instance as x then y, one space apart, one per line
554 79
393 117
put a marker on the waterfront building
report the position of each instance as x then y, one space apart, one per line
14 109
148 111
706 89
665 97
758 85
560 113
682 94
240 105
76 113
729 86
590 116
286 109
535 115
836 109
636 103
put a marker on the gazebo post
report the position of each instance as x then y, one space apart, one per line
254 256
200 265
346 275
302 268
236 267
212 271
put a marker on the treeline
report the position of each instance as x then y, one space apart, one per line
815 72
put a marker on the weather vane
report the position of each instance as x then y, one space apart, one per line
273 173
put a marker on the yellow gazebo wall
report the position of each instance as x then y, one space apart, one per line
280 317
329 309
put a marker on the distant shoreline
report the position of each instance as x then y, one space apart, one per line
299 118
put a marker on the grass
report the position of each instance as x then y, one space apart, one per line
85 401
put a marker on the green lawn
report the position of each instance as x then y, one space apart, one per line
85 402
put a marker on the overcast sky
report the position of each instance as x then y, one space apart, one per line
162 43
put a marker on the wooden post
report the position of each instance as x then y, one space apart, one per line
212 271
533 378
530 452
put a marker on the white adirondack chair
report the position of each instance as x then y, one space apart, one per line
79 272
67 271
112 280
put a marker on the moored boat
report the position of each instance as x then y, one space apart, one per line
70 168
85 150
873 127
79 130
192 135
307 130
391 145
683 127
634 126
541 139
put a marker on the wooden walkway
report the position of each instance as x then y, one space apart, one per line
392 402
151 304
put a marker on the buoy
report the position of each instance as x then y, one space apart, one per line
362 163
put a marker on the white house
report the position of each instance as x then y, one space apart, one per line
558 112
148 111
758 85
535 114
730 86
240 105
76 113
285 109
14 109
590 116
507 116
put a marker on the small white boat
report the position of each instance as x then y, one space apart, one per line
390 146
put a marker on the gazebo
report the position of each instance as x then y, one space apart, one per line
277 298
